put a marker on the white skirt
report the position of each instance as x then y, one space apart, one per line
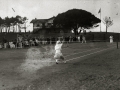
58 55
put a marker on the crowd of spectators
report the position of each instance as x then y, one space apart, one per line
36 41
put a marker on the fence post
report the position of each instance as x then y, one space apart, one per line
117 44
117 40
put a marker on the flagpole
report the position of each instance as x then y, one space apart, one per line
100 19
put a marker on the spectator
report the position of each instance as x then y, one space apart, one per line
83 39
111 39
5 42
78 38
11 45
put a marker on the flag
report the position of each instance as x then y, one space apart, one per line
99 11
13 9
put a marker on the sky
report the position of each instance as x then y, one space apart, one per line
44 9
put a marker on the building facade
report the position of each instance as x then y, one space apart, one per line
44 27
39 24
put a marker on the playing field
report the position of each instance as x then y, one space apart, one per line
90 66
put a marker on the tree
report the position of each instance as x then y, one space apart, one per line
1 24
76 18
108 22
7 23
13 21
24 22
21 20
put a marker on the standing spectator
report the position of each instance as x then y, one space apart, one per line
19 41
30 42
78 38
33 43
83 39
111 39
36 42
15 42
5 42
70 39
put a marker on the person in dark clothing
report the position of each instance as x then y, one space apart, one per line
5 42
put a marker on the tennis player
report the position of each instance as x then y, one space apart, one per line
58 54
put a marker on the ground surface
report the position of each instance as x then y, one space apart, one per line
91 66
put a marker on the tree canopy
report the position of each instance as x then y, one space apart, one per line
76 18
108 22
12 21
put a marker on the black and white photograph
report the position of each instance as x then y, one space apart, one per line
59 44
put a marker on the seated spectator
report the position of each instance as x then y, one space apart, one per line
78 38
70 39
30 42
33 43
26 43
11 45
36 42
20 44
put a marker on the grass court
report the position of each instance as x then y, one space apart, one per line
90 66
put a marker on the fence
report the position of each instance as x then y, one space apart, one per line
102 36
91 36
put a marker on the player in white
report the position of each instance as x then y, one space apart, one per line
58 54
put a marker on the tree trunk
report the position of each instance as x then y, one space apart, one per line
1 29
75 31
79 32
8 29
13 29
19 30
106 29
16 27
25 27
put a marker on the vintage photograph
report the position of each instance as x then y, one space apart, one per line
59 45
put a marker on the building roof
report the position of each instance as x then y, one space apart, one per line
38 20
41 20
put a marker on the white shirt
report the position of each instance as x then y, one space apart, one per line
58 46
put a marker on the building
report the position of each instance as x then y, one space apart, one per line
39 24
44 27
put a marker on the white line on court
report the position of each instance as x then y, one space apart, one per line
88 54
81 52
83 55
